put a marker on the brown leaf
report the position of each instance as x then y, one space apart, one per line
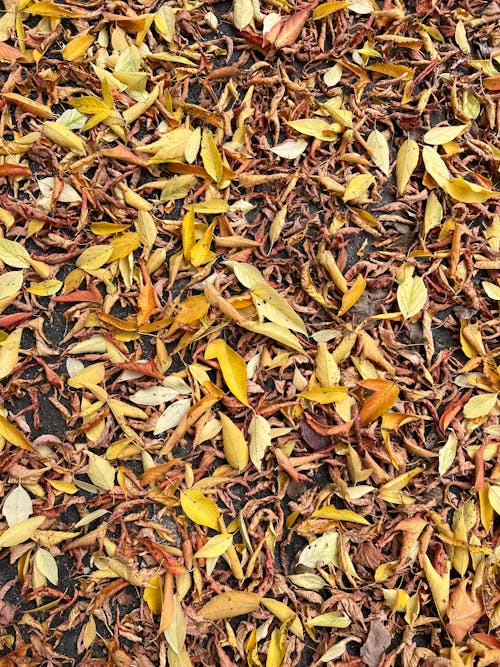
379 638
463 612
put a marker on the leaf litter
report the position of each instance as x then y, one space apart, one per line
249 285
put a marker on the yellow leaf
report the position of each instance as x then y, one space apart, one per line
123 244
386 570
25 103
468 192
20 532
14 254
153 595
45 287
177 187
492 290
411 296
274 331
210 156
357 187
395 71
331 512
277 647
46 564
327 370
89 632
380 151
232 366
200 509
259 431
65 487
268 301
235 445
435 166
329 620
494 497
328 8
89 105
242 13
284 614
101 472
353 294
433 213
192 146
211 206
64 137
93 374
480 406
315 127
17 506
51 10
324 395
200 253
461 38
439 584
188 237
447 453
11 433
229 605
9 353
277 225
442 135
215 546
406 161
77 47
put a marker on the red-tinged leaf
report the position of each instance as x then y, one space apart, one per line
91 295
379 403
323 429
9 53
14 170
293 26
11 321
315 440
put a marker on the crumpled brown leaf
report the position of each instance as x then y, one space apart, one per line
377 641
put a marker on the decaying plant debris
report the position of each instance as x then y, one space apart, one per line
249 333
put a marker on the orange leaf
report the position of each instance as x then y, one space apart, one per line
293 26
14 170
380 402
146 300
463 612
